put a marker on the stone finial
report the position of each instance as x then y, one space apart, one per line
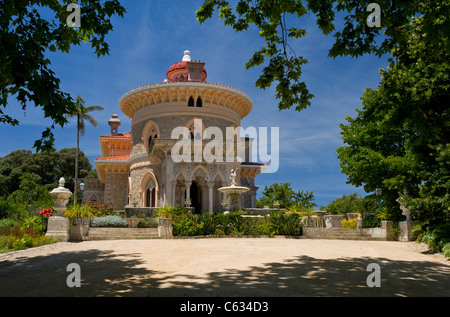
114 123
62 182
187 56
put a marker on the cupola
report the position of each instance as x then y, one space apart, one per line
114 123
187 70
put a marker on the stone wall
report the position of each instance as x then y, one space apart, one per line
116 189
166 124
136 176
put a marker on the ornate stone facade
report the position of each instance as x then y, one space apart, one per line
137 168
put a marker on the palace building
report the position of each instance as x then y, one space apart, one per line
139 168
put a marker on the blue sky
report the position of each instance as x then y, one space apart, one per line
154 34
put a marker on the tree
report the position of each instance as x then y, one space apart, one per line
30 193
66 165
399 139
354 203
82 114
27 37
272 18
285 196
49 167
431 206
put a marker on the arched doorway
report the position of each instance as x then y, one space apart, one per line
150 197
196 197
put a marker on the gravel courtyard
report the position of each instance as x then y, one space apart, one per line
225 267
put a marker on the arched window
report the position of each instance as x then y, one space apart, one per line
153 135
199 102
191 102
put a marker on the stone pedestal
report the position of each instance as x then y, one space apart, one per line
405 231
333 221
359 224
165 229
58 228
352 215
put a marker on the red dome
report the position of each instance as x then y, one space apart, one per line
179 72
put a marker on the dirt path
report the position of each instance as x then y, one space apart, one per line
225 267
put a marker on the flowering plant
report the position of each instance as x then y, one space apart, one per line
47 213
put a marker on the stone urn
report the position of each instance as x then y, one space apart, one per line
60 197
58 227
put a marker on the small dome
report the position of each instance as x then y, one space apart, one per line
114 118
180 71
187 56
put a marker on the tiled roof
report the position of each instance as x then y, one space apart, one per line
169 82
120 135
181 66
114 158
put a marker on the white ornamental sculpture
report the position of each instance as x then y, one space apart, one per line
60 197
234 193
58 227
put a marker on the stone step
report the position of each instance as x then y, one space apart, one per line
337 234
122 233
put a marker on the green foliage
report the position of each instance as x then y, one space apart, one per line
147 223
79 211
352 223
346 204
31 193
30 32
17 238
437 238
371 221
236 225
446 250
432 204
276 22
285 196
34 222
8 222
173 212
283 224
101 210
46 168
398 141
188 226
109 221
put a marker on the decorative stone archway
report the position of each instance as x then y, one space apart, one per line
149 191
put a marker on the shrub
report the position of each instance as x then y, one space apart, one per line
80 211
352 224
17 238
33 222
147 223
283 224
187 226
109 221
7 222
236 225
437 238
170 212
371 221
446 250
101 210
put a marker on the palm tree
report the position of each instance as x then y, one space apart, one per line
82 114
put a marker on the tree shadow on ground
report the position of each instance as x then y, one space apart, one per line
104 273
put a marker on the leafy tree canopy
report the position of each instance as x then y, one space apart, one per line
29 30
399 140
277 22
285 196
353 203
46 168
